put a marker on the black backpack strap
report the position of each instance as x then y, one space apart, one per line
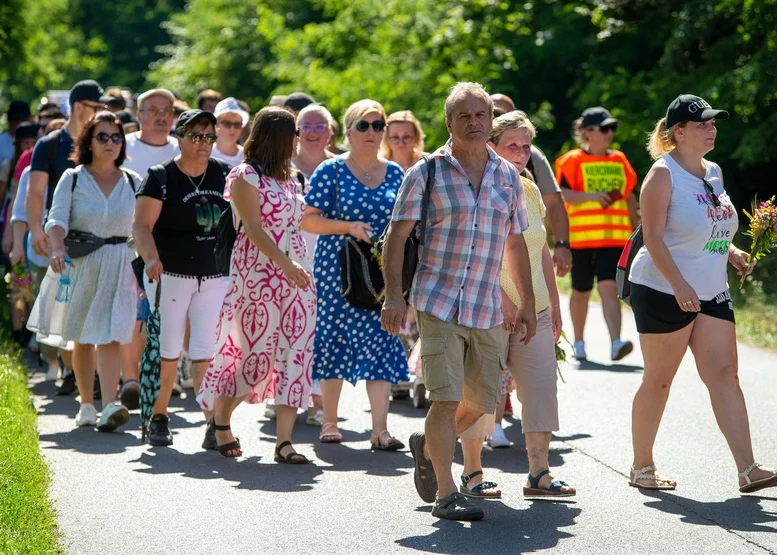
431 169
129 178
51 153
160 174
75 182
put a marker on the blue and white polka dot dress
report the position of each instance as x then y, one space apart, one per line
350 343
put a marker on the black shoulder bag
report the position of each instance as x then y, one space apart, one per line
81 243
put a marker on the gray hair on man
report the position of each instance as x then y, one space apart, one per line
461 90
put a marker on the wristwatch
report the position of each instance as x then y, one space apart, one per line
564 244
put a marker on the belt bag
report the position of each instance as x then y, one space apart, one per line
81 243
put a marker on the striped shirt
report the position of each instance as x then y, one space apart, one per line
459 264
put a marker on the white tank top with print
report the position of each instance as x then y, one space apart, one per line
697 233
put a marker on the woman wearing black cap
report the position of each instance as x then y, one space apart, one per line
679 292
177 213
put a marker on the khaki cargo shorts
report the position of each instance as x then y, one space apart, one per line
461 364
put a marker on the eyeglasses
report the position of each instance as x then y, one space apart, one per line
378 125
103 138
607 128
232 124
93 106
318 127
156 112
405 140
711 193
197 138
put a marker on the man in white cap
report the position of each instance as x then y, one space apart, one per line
230 120
153 144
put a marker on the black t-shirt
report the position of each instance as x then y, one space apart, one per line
41 158
185 232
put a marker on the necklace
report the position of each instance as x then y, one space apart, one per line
198 185
367 175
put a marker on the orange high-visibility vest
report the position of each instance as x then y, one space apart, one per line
590 225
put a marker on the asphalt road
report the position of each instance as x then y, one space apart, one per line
115 495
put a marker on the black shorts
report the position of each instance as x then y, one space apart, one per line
601 263
657 312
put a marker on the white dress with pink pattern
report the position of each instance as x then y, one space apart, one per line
264 346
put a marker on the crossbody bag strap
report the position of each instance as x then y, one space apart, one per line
431 168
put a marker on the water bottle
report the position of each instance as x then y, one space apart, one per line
63 285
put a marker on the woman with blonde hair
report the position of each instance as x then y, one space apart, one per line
679 292
533 365
353 194
403 141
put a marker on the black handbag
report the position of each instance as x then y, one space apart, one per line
416 237
631 249
361 279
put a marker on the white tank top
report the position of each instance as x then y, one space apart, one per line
697 233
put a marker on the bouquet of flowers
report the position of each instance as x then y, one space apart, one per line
763 230
561 354
21 286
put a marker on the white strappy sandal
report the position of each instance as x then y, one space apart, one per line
750 487
649 473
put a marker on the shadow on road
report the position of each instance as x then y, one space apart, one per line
590 365
743 514
504 530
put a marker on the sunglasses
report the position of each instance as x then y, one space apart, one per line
378 125
711 194
197 138
93 106
318 127
155 112
232 124
103 138
607 128
405 140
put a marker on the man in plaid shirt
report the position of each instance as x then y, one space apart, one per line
476 216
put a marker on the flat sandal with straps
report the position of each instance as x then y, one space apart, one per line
478 490
227 447
763 483
290 458
649 473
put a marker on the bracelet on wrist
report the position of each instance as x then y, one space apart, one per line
562 243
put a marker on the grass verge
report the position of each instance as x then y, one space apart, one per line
755 311
27 517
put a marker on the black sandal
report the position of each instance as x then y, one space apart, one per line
227 447
289 459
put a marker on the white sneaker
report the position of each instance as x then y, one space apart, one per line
87 415
53 374
497 439
620 349
269 411
580 350
185 370
114 415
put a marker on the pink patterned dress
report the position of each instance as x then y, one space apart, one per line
264 345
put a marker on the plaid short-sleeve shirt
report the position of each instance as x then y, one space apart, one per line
459 264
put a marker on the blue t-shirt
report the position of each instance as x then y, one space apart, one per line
40 156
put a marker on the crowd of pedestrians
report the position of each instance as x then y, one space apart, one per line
117 211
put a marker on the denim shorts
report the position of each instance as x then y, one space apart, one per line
144 307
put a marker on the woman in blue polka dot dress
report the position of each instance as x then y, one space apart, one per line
350 343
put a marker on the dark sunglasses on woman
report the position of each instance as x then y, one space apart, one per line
197 138
103 138
378 125
607 128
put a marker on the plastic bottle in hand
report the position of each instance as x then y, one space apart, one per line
63 285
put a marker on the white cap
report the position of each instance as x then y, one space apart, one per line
156 92
230 105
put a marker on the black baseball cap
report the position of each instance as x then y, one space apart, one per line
27 130
189 117
126 117
298 100
90 91
689 107
18 110
597 116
